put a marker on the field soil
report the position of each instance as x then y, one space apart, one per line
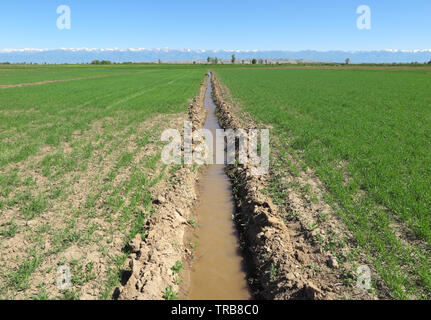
81 175
62 234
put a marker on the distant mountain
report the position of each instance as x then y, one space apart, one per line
85 55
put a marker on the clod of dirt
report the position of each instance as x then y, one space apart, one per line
312 292
332 262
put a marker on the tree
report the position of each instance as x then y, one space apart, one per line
254 61
215 60
208 59
95 62
348 61
233 59
429 62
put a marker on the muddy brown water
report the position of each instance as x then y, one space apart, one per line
218 270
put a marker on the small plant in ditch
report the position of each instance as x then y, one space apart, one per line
178 267
192 222
273 272
170 294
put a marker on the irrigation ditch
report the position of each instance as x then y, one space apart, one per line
218 270
218 222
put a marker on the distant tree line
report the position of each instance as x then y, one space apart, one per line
212 60
215 60
101 62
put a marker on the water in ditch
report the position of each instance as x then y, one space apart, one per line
218 270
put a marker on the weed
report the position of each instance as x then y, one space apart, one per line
177 267
192 222
9 231
170 294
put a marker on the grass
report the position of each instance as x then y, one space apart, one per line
42 294
9 231
46 117
170 294
82 155
18 280
366 134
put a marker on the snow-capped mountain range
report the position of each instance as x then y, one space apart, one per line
85 55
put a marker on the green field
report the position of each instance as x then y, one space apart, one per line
367 136
77 160
16 74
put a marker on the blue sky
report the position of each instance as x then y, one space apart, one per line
220 24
